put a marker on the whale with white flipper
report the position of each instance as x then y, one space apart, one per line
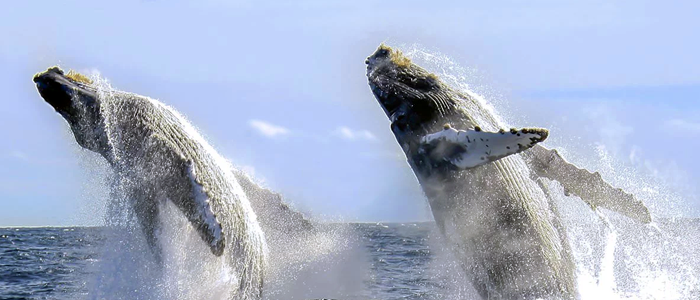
158 156
464 149
489 202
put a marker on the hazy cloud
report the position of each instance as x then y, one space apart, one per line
19 155
354 135
683 126
267 129
613 132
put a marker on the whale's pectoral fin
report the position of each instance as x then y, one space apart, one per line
465 149
202 215
191 197
591 187
146 210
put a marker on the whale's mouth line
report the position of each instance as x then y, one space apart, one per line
384 98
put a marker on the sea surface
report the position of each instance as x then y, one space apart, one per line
405 261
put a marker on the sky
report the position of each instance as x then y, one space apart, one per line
279 89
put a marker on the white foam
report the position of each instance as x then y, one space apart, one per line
634 263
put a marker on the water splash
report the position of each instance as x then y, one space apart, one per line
169 190
620 259
306 259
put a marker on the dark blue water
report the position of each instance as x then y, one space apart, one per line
401 256
46 263
406 261
56 263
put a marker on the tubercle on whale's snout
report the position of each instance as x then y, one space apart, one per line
72 76
43 79
51 70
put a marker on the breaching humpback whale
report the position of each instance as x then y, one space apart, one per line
160 157
491 205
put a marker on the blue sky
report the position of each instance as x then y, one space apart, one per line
279 89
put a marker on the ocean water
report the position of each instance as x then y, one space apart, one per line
403 261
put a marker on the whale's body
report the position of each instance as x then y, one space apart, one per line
158 156
498 218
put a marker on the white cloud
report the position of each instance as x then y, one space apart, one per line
19 155
683 126
353 135
267 129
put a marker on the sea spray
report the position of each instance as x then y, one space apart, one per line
620 259
306 259
170 188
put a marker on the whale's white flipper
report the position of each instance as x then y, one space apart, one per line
204 219
186 192
471 148
589 186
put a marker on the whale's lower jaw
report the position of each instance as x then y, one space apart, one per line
498 221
